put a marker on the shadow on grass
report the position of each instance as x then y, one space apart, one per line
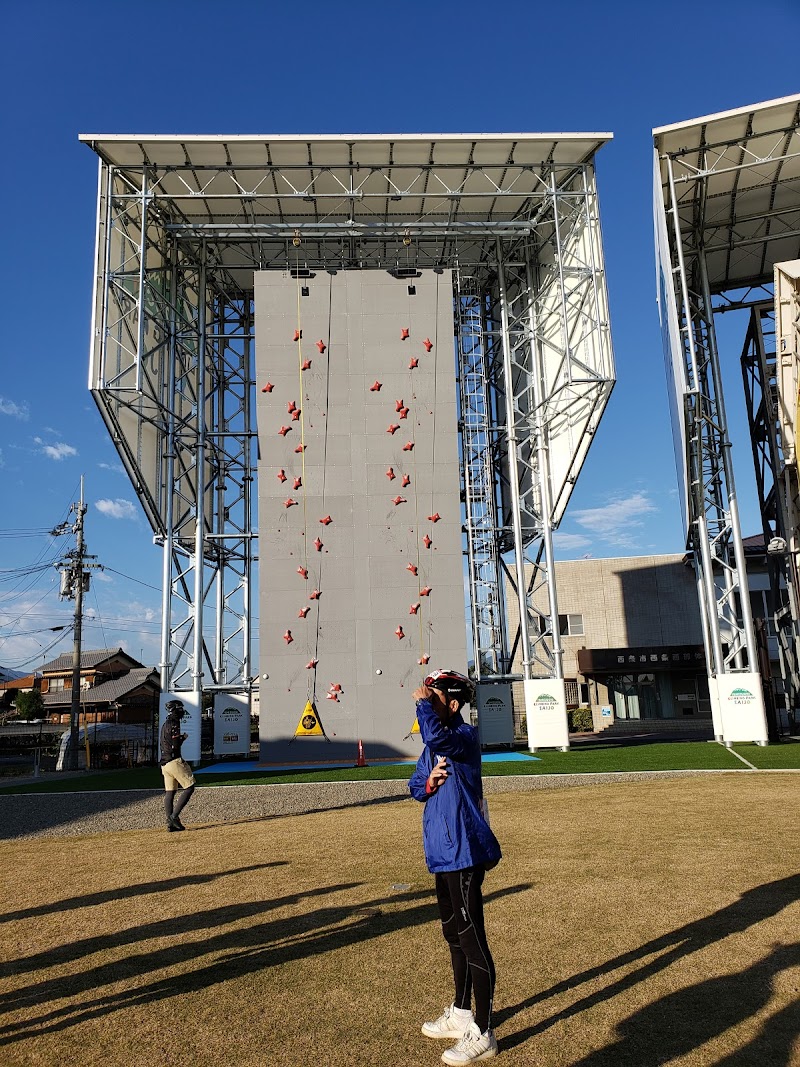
674 1025
169 927
752 907
88 900
246 951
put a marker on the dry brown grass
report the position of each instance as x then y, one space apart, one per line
636 924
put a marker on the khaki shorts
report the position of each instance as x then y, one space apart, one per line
177 772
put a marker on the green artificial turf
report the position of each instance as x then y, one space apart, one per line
781 757
582 759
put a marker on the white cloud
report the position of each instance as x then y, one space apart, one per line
18 411
117 468
101 576
618 521
569 541
116 509
60 450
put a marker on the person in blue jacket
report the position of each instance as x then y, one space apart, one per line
459 848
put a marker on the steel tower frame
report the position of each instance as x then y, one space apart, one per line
730 187
182 225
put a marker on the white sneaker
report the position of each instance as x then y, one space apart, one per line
472 1047
449 1024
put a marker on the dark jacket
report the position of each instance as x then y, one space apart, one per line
455 834
170 739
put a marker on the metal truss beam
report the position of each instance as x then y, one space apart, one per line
715 533
759 373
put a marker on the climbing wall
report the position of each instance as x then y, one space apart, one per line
360 546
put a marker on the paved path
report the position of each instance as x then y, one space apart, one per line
65 814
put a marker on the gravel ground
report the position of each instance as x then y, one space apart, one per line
67 814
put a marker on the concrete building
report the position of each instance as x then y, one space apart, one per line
631 633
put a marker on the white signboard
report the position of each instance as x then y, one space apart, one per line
741 707
671 340
231 724
495 714
546 713
190 723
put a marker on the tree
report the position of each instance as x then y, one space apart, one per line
30 705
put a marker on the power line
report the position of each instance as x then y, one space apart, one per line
132 579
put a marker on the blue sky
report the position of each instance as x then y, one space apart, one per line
208 67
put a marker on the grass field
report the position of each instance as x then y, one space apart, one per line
592 758
635 924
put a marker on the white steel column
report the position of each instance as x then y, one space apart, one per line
513 470
200 482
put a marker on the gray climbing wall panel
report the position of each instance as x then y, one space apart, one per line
360 564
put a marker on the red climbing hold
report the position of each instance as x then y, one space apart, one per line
425 591
267 388
411 567
399 500
318 545
424 658
408 446
399 633
403 333
301 448
391 475
302 572
435 517
321 346
306 364
406 480
291 406
281 475
326 521
315 595
296 415
413 609
376 386
428 344
297 335
288 637
427 541
403 413
289 502
297 483
413 363
313 662
284 430
393 427
398 405
332 696
303 612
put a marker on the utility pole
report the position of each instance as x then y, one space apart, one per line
74 580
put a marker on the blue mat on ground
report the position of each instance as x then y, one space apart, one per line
252 767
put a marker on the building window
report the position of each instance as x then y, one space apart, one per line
570 625
762 606
571 692
56 684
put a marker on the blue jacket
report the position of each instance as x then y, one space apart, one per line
455 834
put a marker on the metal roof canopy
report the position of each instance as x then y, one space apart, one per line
350 186
737 181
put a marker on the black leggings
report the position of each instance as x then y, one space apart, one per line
461 911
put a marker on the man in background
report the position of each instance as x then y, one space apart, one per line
175 769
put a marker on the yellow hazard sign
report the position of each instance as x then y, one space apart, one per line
309 725
414 729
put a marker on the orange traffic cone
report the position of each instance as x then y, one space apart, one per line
361 761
